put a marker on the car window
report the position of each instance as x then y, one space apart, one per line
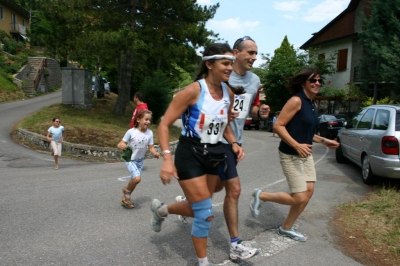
381 119
366 120
397 121
354 121
329 118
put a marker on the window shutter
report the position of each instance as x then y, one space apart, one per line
342 60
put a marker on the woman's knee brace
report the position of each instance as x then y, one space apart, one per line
203 214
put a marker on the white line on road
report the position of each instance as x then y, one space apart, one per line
124 178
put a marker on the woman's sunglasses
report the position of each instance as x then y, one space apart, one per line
315 80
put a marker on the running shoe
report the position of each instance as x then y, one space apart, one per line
255 203
156 220
242 252
292 234
181 218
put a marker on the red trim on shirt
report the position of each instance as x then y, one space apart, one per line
257 99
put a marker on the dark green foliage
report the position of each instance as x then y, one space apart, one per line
282 66
128 39
286 63
381 41
9 44
157 94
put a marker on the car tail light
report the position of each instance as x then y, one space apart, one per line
390 145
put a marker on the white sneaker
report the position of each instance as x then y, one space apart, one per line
242 252
181 218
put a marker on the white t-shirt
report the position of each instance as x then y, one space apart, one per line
139 142
56 133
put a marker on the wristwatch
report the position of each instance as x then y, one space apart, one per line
165 152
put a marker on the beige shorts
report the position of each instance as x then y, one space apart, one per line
56 147
298 171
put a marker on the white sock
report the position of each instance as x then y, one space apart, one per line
203 261
163 210
234 244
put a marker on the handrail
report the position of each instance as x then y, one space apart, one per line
39 73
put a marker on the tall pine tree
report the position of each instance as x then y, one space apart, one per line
282 66
381 41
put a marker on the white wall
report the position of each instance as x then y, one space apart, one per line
341 78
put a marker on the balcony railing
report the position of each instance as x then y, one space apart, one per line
17 28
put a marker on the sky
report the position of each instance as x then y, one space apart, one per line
269 21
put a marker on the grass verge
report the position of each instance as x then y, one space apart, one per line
97 126
369 230
9 91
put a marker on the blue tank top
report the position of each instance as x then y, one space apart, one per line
303 124
205 105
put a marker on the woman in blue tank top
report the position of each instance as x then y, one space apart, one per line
204 107
296 127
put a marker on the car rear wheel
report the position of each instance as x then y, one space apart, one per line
367 175
339 155
257 127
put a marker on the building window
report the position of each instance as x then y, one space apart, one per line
23 22
342 60
1 12
321 57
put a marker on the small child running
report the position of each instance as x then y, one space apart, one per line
139 138
57 137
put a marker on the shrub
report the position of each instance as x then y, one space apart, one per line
157 91
370 100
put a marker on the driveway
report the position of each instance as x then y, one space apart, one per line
72 216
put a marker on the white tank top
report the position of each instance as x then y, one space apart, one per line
207 118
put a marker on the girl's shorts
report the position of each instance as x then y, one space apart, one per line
135 167
57 147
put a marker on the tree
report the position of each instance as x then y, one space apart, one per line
287 62
380 40
152 35
284 64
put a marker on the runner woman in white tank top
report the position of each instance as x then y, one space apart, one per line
203 107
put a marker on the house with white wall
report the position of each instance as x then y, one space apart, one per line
339 37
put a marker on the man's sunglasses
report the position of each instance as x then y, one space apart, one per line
238 41
315 80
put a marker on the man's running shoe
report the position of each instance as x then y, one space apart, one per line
181 218
156 220
292 234
242 252
255 203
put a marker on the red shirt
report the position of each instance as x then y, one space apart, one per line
139 106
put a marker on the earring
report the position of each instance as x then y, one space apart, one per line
209 68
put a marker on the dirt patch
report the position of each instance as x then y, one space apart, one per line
352 236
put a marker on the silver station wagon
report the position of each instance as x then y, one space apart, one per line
371 140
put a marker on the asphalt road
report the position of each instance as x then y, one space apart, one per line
72 216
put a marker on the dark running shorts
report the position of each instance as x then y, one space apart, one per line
188 166
228 170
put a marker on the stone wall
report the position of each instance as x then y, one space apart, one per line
23 73
53 80
80 149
